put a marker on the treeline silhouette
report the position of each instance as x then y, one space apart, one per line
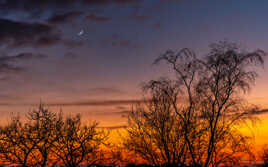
192 119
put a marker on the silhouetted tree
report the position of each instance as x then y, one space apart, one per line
45 138
154 131
45 127
206 97
214 107
78 143
30 143
16 145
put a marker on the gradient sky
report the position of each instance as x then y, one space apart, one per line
99 73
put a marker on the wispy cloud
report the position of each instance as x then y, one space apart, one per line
84 103
113 127
97 103
37 7
72 43
107 90
22 56
95 18
264 111
141 18
64 18
8 63
14 34
120 113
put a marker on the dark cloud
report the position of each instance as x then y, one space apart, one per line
64 18
34 7
25 31
113 127
105 90
140 18
22 34
85 103
22 56
121 113
97 103
8 63
93 17
37 7
264 111
111 2
72 43
6 68
14 34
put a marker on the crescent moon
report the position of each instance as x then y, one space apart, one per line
81 32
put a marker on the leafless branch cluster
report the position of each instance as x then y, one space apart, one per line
48 139
193 119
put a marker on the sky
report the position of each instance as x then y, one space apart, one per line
45 58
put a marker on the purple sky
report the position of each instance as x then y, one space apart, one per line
99 73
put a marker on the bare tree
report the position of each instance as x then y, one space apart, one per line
212 87
45 138
78 143
200 110
45 127
30 143
16 145
154 131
